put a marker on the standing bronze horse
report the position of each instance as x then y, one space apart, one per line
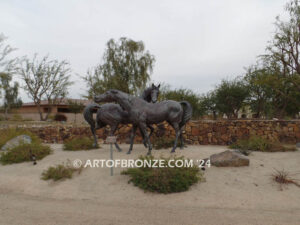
112 114
142 113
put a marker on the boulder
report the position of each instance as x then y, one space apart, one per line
229 159
21 139
298 145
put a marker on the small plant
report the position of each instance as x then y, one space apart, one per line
162 143
283 178
255 143
60 172
167 179
77 144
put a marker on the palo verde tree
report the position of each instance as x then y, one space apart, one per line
45 79
10 93
126 66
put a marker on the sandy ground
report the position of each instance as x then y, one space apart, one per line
229 196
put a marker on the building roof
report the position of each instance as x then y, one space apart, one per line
61 102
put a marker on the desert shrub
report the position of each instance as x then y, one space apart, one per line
256 143
61 171
23 152
164 179
76 144
162 142
60 117
7 134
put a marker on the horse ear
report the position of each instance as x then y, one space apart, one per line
153 86
158 86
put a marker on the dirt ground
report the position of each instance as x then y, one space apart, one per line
230 196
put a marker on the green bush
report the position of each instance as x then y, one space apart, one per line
163 143
22 152
59 172
7 134
255 143
2 118
77 144
164 179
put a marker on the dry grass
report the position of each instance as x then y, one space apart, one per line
283 177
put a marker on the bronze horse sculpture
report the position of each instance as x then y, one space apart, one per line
113 114
142 113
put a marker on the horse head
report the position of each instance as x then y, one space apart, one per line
154 93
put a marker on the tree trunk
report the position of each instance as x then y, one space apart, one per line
40 112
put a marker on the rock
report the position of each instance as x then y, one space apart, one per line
298 145
16 141
229 159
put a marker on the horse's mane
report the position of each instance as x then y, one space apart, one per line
146 95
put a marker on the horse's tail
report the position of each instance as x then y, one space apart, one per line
187 113
88 113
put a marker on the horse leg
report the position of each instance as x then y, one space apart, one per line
95 137
133 131
177 132
143 128
113 129
144 141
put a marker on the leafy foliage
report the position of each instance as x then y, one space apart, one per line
256 143
164 179
230 96
22 152
183 95
77 144
126 66
11 92
60 172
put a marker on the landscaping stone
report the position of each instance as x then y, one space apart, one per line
24 139
229 159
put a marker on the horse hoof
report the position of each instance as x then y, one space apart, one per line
172 151
148 153
119 150
128 153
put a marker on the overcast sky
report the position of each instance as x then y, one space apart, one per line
195 43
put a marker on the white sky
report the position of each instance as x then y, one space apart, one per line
195 43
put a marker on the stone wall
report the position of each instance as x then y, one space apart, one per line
221 132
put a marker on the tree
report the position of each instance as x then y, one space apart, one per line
208 104
45 80
283 57
75 107
261 93
7 64
183 95
230 96
11 99
126 66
